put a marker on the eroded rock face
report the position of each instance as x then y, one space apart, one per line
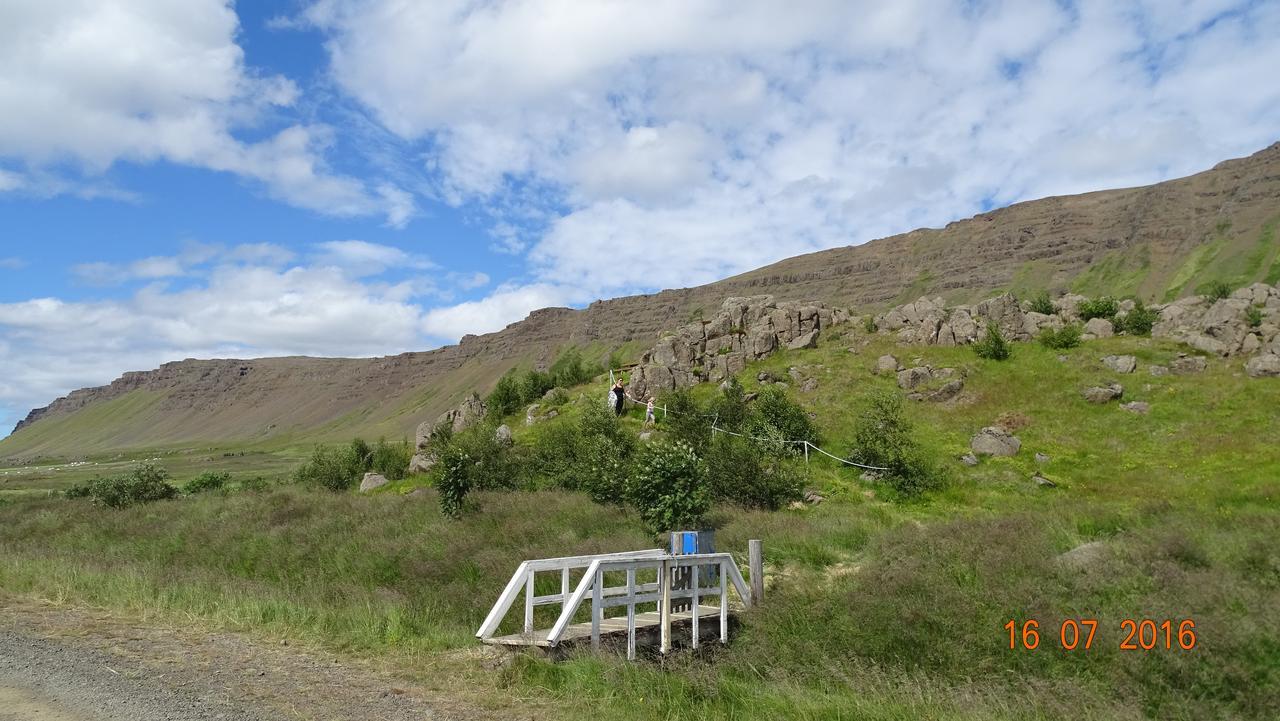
995 441
471 410
743 330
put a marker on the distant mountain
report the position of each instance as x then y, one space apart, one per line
1158 242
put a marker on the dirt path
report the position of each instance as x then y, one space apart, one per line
65 664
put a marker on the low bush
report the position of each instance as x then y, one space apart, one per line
334 468
993 346
1065 337
1138 321
1217 290
1253 316
1042 303
775 415
143 484
207 481
884 438
869 324
685 420
1103 307
391 459
515 390
669 487
739 472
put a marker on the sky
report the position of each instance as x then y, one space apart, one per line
366 177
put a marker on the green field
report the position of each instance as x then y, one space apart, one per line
876 608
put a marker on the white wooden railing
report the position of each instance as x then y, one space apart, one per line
660 592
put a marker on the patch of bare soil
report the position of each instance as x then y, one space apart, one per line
71 664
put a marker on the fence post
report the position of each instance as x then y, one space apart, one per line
664 606
756 566
631 614
597 609
528 601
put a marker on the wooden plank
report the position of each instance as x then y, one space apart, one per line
756 566
631 616
528 601
664 607
503 605
608 627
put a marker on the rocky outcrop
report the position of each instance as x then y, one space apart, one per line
743 330
1223 327
1246 323
1266 365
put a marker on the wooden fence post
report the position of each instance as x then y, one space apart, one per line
756 567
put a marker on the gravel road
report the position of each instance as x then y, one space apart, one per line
66 664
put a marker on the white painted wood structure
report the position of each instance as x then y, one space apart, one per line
593 582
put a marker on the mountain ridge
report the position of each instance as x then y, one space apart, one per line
1157 242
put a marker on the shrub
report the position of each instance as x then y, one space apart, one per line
391 459
993 346
1065 337
1217 290
558 397
569 369
453 480
143 484
869 324
774 414
1253 316
685 420
883 437
506 396
1042 303
1138 321
336 469
669 486
729 408
1103 307
738 471
207 481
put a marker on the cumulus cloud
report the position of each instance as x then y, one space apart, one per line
95 82
245 301
674 142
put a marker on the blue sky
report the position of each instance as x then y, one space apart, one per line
343 177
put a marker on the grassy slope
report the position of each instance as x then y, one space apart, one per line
876 609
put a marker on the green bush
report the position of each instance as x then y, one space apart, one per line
506 397
1042 303
334 468
869 324
993 346
143 484
775 414
1065 337
669 487
686 421
729 408
1253 316
1217 290
1103 307
738 471
207 481
391 460
883 437
1138 321
453 481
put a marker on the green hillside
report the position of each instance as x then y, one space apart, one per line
877 607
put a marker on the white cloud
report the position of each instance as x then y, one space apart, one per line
95 82
362 258
505 305
50 346
10 181
674 142
14 263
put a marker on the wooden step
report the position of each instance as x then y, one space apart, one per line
608 627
